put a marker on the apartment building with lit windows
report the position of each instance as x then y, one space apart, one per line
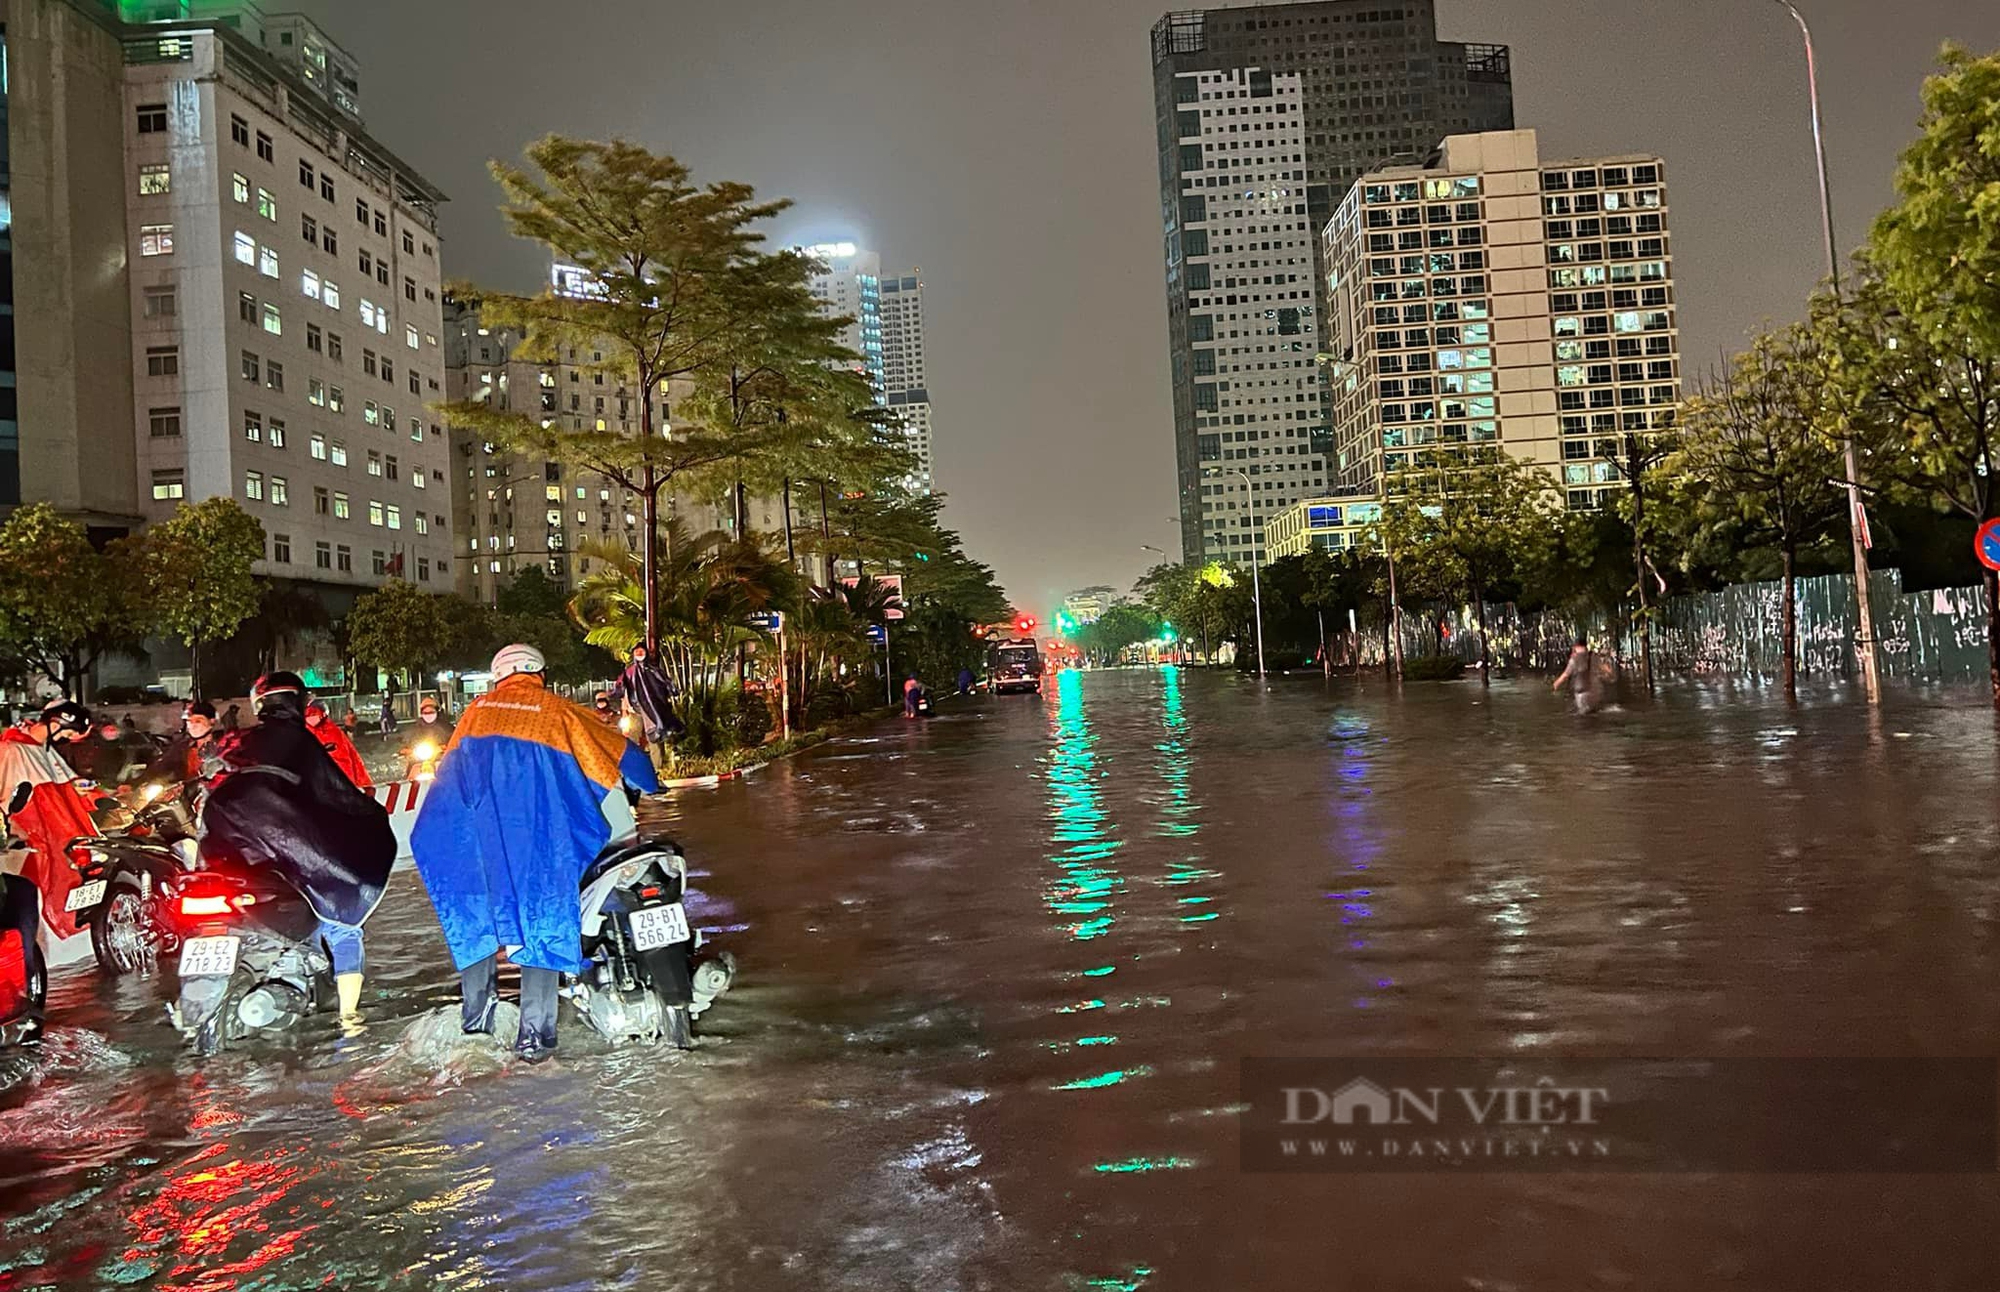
1492 297
886 329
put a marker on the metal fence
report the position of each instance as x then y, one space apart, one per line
1934 636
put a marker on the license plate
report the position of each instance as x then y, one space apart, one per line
659 926
209 957
85 895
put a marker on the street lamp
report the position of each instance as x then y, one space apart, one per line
1256 585
1871 682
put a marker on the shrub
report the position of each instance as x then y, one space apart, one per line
753 719
1433 668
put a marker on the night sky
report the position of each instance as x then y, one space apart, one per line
1006 150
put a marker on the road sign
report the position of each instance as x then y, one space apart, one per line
767 621
878 634
1986 545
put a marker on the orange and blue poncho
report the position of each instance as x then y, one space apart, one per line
527 794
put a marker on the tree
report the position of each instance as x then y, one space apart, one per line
63 604
1117 628
399 627
1759 460
1465 528
1938 248
665 265
195 570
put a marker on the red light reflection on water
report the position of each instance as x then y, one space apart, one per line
215 1204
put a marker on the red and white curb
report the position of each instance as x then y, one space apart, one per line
703 782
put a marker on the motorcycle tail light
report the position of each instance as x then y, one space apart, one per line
214 905
650 890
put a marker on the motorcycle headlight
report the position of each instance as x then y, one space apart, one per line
426 750
626 725
147 793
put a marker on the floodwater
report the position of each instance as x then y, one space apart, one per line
998 970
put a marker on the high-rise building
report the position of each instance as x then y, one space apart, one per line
1266 114
258 314
1491 297
887 331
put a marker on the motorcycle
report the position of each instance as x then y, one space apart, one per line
24 979
923 703
642 979
250 955
127 875
420 760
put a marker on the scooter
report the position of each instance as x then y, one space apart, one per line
641 979
125 876
251 959
421 760
923 703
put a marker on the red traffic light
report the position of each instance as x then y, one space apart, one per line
1025 624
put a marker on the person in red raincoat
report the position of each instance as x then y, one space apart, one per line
57 811
345 756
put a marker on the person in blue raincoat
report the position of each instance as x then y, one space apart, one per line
527 794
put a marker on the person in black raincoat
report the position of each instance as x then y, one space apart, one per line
281 802
648 692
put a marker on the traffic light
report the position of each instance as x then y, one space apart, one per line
1167 633
1025 624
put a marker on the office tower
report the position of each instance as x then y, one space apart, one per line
1494 297
887 331
1265 115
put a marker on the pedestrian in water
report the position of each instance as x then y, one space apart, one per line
530 791
910 689
1581 673
647 692
388 723
965 681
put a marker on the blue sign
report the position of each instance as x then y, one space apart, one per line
1986 545
767 621
878 634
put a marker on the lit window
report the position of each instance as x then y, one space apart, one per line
395 516
340 508
280 492
246 249
253 485
371 414
239 188
309 284
156 239
339 454
272 323
169 485
410 336
317 448
267 206
374 513
267 262
155 178
330 294
253 427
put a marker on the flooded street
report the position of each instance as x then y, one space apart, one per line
998 970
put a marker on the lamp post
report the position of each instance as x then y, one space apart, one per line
1256 584
1864 647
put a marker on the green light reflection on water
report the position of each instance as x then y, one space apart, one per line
1122 1283
1135 1165
1080 1007
1103 1079
1086 885
1100 971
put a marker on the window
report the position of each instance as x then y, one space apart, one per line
381 224
344 559
329 295
164 423
274 374
152 118
320 501
309 228
372 315
326 189
163 360
314 338
423 527
388 370
374 463
389 466
410 336
253 485
267 262
155 178
253 427
361 212
315 392
281 549
381 562
374 513
409 294
317 448
305 173
156 239
160 303
239 188
246 249
417 478
395 516
239 131
423 562
169 485
339 454
370 413
265 152
309 284
275 433
365 263
335 401
329 240
272 322
250 369
340 508
333 346
323 556
368 362
280 492
267 206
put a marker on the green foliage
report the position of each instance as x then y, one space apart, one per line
194 568
63 603
1433 668
1939 247
398 627
1114 630
532 592
753 718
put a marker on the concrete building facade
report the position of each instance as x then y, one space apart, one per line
1492 297
1265 114
887 331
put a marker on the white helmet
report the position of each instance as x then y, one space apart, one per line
518 658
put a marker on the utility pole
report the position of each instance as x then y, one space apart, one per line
1857 518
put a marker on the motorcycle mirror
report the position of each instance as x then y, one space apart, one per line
19 799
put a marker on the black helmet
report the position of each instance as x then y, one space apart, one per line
276 684
65 715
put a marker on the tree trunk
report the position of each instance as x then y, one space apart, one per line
194 668
1790 646
1388 648
791 554
1634 478
1991 581
649 541
825 534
